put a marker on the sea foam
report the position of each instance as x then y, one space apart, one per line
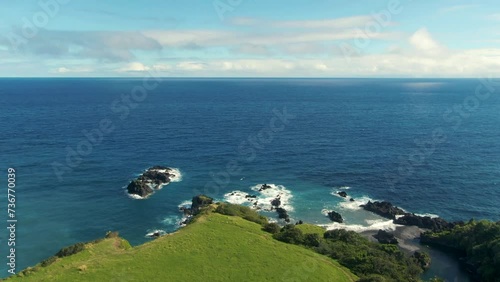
150 234
372 225
355 205
262 199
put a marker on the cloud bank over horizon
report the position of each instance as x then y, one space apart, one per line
249 39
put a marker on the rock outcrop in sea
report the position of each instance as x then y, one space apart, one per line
384 209
200 202
342 194
335 216
151 180
399 216
434 224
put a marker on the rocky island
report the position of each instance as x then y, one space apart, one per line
151 180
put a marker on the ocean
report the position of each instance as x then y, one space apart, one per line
430 146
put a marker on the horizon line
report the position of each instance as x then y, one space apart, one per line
225 77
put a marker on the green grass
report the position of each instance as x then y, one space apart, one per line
311 229
214 248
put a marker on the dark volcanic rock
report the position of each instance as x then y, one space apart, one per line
342 194
156 177
384 209
151 180
276 202
352 200
199 202
435 224
335 216
185 210
248 196
138 187
385 237
264 187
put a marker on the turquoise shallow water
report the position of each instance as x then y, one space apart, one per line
356 133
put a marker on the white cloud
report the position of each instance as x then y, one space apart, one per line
140 67
208 38
190 66
72 70
422 41
282 48
63 70
252 49
338 23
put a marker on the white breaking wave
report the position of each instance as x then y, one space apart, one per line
344 187
371 224
374 225
152 233
355 205
177 175
170 220
175 220
185 204
262 200
427 215
239 198
134 196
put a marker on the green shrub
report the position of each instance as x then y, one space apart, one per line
312 240
423 259
373 278
370 261
71 250
365 258
272 228
388 248
48 261
241 211
290 234
124 244
478 240
29 270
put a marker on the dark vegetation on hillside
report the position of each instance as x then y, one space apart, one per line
241 211
368 260
479 244
371 261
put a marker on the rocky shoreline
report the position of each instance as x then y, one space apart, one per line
270 198
401 217
413 232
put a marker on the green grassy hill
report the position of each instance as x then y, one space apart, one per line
214 248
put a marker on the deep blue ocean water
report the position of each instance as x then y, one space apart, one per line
356 133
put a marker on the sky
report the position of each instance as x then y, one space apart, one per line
250 38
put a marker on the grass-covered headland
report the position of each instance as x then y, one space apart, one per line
225 242
213 247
